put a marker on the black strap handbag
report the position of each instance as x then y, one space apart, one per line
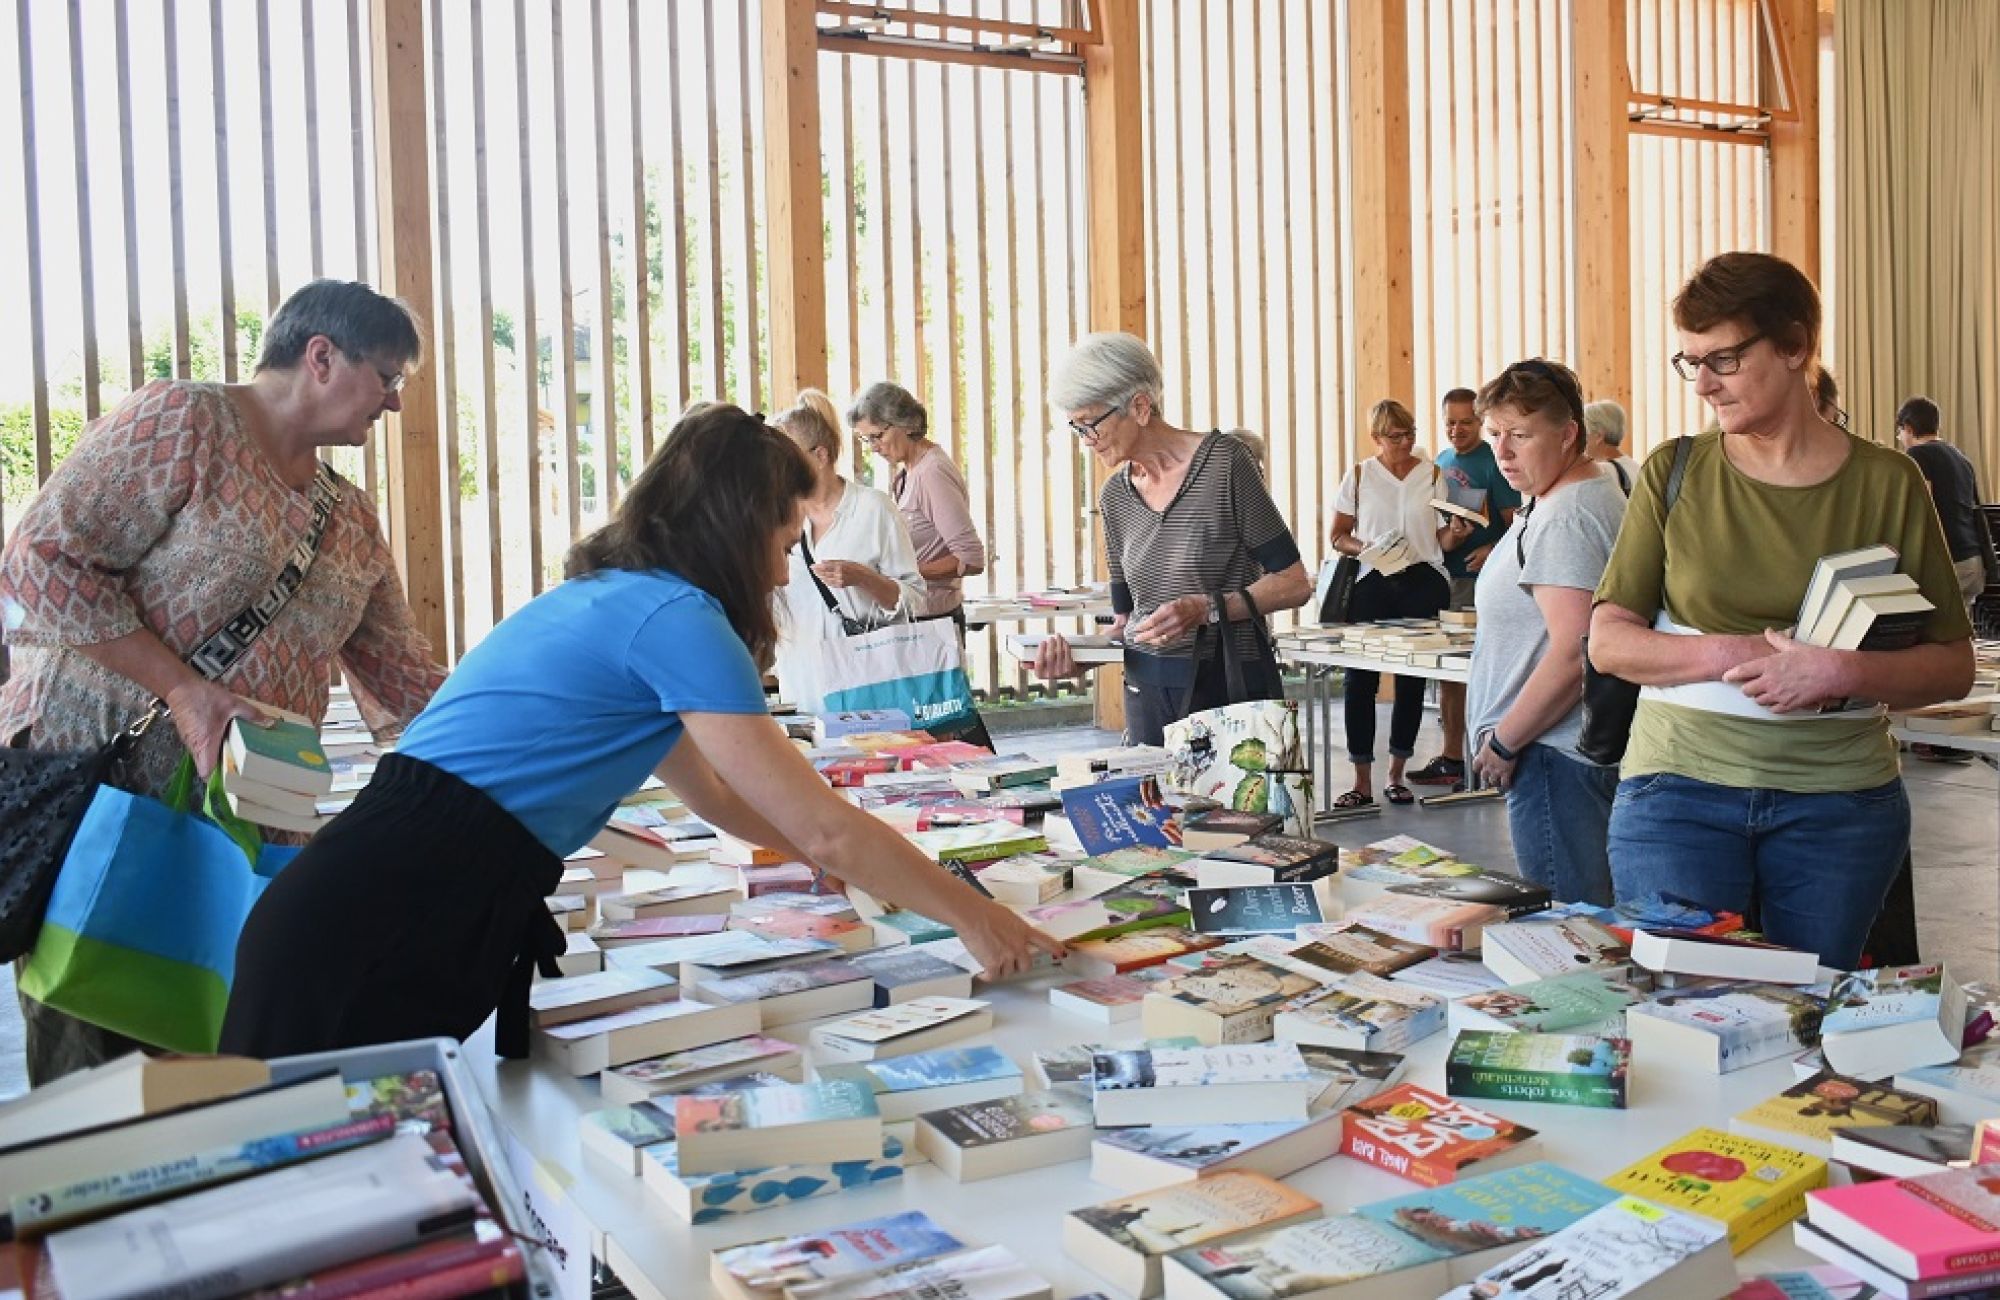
43 794
1338 594
1235 680
849 625
1610 703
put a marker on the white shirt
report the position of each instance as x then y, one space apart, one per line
868 529
1388 503
1631 468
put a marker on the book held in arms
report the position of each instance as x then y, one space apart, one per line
283 755
1461 501
914 1026
1940 1227
1750 1185
1806 1114
1124 1240
1729 957
710 1198
908 1086
801 1123
1724 1027
1563 1069
1200 1085
765 1270
1006 1135
1363 1012
1229 1000
1430 1139
1629 1250
1587 1001
1858 600
1882 1021
1085 649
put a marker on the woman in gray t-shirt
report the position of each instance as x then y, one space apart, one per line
1524 702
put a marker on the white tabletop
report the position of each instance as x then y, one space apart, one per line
661 1257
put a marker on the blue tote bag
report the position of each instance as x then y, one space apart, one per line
141 930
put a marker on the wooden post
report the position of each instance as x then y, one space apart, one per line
793 210
1378 73
1794 65
1114 125
1601 88
403 222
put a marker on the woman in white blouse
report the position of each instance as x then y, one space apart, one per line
853 565
1383 514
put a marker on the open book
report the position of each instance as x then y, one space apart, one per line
1462 500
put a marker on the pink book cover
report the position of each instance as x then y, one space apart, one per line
1949 1222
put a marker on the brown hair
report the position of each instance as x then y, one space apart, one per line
1767 293
1390 416
704 508
1537 387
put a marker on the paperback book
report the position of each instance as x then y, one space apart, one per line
907 1086
1725 1027
1123 813
1124 1240
1253 909
1565 1069
763 1270
1536 948
713 1197
1007 1135
1629 1250
1586 1001
1362 1012
1231 1000
1806 1114
1485 1218
914 1026
1268 859
1200 1085
1893 1018
804 1123
1417 1134
1751 1186
1355 949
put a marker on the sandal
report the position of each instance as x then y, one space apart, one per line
1354 799
1398 794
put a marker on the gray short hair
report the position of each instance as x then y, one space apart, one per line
1605 419
362 323
886 404
1109 368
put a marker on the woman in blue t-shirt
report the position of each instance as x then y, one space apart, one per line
419 910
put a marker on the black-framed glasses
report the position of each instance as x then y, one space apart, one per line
1087 429
1722 361
1406 435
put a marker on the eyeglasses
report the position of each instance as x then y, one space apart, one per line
876 435
1087 429
1722 361
1408 436
392 380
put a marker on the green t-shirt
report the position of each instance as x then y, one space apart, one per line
1735 559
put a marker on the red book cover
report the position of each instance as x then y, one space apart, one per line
1425 1136
795 925
848 773
780 878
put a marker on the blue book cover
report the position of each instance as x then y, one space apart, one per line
941 1069
1120 814
719 1196
1496 1209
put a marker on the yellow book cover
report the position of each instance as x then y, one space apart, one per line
1752 1188
1812 1109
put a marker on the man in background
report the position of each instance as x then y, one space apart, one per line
1954 490
1473 475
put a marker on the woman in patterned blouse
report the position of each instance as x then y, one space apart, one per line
176 512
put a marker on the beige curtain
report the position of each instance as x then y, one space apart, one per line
1919 217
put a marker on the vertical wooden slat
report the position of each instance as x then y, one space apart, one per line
85 242
678 272
883 202
1795 183
1182 319
919 300
527 338
31 227
562 349
796 240
603 352
849 233
176 192
1601 173
1232 183
225 250
1378 97
723 390
444 342
981 427
358 161
1260 236
1318 214
1015 431
752 304
641 291
135 330
403 218
269 143
489 368
956 382
1045 342
309 60
1296 436
1210 308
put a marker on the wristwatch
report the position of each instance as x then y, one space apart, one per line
1214 609
1500 751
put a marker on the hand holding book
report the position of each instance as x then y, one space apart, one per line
1794 677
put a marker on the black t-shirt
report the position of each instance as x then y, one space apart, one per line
1955 490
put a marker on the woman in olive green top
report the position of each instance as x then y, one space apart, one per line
1752 783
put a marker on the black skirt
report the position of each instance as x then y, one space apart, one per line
416 913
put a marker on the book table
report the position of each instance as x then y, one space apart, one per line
1322 727
661 1257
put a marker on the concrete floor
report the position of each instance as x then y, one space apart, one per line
1956 853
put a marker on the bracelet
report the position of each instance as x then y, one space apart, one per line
1500 751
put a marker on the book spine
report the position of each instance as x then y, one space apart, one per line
42 1211
472 1278
1533 1085
425 1273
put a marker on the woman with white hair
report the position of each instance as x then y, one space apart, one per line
854 565
1197 552
1604 442
929 490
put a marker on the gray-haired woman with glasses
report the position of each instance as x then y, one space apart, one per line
1752 779
1192 540
929 490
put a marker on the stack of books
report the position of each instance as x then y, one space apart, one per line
276 773
1857 600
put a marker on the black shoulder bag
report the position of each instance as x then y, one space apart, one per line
43 794
1339 594
1609 703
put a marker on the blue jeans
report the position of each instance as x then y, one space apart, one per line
1559 810
1815 866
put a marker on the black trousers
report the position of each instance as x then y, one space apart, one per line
414 914
1417 592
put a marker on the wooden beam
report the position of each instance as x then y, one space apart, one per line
1378 70
1601 92
796 257
1795 229
403 218
888 15
1115 163
903 47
